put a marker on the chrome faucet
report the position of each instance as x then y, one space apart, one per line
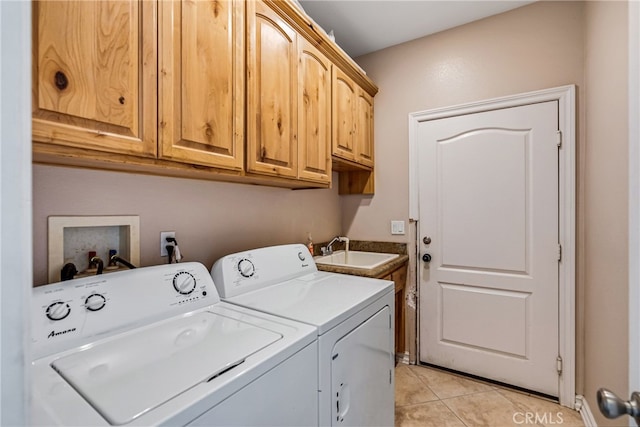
328 250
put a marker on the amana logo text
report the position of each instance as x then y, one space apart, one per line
55 334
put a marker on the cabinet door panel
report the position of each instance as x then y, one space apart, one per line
344 98
272 86
94 79
202 83
314 114
364 129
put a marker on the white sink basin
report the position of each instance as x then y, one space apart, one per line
355 259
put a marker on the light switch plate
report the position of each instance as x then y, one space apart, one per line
397 227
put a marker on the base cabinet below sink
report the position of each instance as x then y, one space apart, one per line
399 277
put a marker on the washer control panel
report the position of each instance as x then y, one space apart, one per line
95 302
243 272
184 283
246 267
66 313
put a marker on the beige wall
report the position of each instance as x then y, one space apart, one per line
534 47
542 45
210 219
606 202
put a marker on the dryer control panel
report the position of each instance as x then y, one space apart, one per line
67 313
243 272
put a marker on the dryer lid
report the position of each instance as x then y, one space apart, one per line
134 373
321 299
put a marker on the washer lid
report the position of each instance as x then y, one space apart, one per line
132 374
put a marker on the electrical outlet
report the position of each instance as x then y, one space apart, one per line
164 243
397 227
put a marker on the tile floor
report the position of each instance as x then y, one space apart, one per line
429 397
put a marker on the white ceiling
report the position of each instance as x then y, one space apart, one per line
364 26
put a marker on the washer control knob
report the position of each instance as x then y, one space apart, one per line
184 282
246 267
95 302
301 256
58 310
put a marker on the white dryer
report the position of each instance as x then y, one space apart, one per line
156 345
354 318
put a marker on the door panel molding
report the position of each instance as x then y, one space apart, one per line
565 96
462 172
480 303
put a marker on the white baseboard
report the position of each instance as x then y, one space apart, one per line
585 411
403 357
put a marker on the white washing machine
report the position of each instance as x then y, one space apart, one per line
354 318
156 346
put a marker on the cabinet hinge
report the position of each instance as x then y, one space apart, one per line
559 138
559 252
390 377
559 365
389 321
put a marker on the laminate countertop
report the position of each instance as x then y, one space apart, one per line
367 246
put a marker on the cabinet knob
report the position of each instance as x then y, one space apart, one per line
60 80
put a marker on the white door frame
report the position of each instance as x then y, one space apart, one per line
16 257
634 199
565 95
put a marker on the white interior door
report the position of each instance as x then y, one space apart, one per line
488 200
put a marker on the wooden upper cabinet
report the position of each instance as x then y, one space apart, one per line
94 75
201 83
236 90
364 129
314 114
344 120
272 93
352 122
